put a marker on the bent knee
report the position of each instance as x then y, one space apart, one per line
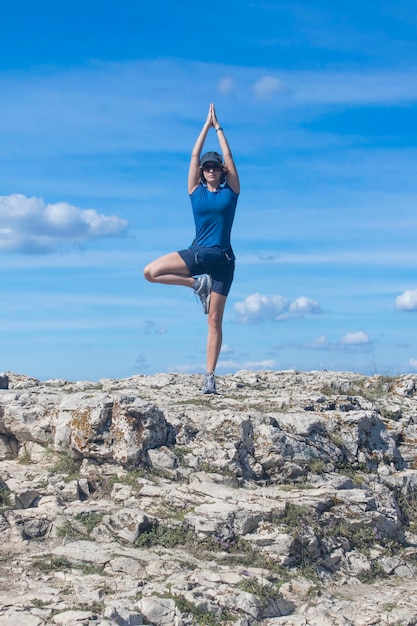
149 273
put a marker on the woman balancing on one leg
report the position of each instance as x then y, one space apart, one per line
207 266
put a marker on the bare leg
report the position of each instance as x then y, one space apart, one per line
215 334
169 269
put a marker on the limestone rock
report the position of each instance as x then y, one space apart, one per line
289 498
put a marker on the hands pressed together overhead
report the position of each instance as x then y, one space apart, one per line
212 120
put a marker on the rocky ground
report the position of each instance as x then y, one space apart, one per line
287 499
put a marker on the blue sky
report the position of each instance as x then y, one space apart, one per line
101 103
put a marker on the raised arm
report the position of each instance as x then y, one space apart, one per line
232 175
194 173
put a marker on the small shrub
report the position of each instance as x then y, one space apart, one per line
131 478
376 572
60 564
94 607
195 402
317 466
68 530
57 564
335 439
167 511
5 500
166 537
199 616
360 537
66 464
39 604
181 452
243 553
388 414
355 475
82 526
90 519
329 389
103 485
408 505
264 593
295 515
89 568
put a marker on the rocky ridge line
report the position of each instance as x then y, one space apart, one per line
290 498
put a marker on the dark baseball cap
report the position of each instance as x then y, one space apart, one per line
211 157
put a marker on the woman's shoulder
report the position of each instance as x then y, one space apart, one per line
227 187
199 190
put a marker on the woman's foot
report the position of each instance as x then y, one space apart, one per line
202 288
209 384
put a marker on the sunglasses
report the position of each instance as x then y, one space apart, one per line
211 166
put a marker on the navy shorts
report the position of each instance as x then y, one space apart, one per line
222 278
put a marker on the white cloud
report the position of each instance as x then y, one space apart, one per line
413 363
29 225
266 87
303 305
358 338
351 342
407 301
265 364
318 343
228 365
258 308
226 85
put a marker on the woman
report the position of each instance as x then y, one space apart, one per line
207 266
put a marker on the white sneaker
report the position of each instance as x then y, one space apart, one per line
203 291
209 384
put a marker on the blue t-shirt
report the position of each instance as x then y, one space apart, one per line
214 212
